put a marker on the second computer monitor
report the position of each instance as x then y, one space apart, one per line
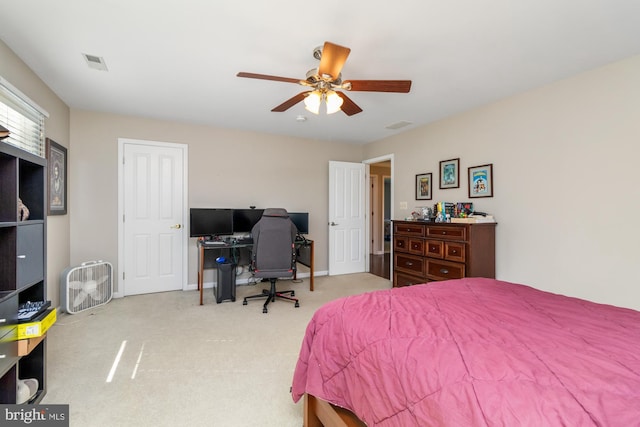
301 221
245 219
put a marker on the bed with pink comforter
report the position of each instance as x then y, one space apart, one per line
473 352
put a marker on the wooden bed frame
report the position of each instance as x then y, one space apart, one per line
319 413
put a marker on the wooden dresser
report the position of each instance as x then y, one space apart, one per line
430 251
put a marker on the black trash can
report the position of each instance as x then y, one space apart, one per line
226 286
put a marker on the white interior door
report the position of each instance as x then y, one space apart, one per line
153 217
347 250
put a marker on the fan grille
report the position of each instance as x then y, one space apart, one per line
86 286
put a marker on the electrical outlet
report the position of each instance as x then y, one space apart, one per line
403 205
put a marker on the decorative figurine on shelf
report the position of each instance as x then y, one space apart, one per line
23 211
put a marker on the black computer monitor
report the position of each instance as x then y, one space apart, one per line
210 222
245 219
301 221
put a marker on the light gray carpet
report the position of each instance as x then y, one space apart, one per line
184 364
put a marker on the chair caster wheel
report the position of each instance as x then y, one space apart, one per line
244 302
297 304
264 310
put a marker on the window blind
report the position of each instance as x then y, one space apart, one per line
23 118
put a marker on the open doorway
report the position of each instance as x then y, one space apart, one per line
380 203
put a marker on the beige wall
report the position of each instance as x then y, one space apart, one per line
565 161
19 75
227 168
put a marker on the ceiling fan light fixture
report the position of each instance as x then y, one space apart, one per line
312 102
321 82
334 102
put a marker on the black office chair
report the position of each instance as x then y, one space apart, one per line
273 254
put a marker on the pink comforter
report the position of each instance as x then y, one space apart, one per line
474 352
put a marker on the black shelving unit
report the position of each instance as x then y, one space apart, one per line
22 265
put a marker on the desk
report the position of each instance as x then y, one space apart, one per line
206 258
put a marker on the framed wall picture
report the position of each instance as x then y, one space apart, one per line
423 186
450 173
481 181
57 178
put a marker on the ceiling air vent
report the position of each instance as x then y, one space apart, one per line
398 125
96 62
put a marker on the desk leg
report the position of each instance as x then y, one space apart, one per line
201 271
311 268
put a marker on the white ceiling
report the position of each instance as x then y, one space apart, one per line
178 60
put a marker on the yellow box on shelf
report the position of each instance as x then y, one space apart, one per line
36 329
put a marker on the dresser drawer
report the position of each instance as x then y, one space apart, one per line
447 233
409 264
454 251
403 279
401 244
416 246
444 270
435 249
408 229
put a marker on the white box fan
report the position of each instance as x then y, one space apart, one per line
86 286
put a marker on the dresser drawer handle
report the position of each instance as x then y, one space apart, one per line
433 248
444 271
453 251
444 232
22 256
409 264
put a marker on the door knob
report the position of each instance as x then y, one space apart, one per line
177 226
333 224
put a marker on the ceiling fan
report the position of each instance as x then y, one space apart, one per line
325 83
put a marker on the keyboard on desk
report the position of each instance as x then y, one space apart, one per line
213 243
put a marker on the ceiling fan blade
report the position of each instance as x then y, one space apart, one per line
332 60
267 77
401 86
348 106
290 102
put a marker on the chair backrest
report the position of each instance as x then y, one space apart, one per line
273 253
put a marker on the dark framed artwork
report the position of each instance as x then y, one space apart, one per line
423 186
57 178
481 181
450 173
